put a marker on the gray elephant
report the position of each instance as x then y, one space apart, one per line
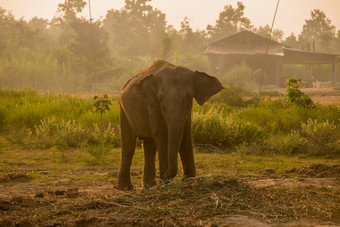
155 106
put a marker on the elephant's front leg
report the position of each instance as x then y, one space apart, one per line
149 174
160 134
186 151
128 150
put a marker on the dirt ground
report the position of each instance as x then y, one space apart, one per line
323 95
305 196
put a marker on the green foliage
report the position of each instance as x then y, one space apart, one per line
107 136
288 144
61 134
230 20
276 116
296 96
264 31
70 53
214 128
232 96
136 29
101 142
61 122
101 104
320 137
318 28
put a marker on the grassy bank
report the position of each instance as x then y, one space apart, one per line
250 125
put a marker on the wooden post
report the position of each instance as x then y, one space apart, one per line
278 71
334 72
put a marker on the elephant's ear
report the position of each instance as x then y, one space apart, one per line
205 86
145 91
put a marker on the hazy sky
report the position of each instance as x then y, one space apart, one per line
290 18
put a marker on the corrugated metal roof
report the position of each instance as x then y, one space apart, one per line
249 43
245 42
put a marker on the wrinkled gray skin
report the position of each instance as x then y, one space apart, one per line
155 105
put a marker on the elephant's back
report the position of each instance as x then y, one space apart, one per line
153 69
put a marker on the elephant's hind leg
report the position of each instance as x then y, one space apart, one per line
149 163
128 150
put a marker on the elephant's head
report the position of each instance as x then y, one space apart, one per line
171 91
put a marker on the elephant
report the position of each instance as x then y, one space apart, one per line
155 106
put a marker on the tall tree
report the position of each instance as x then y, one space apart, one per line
318 29
136 29
70 8
87 40
276 35
292 41
230 21
192 42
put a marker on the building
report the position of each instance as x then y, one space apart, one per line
261 53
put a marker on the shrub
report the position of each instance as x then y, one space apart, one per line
101 141
320 136
106 136
52 132
215 129
232 96
294 95
287 144
208 128
314 138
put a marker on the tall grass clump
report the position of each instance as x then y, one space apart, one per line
61 134
278 117
230 95
214 128
60 121
320 137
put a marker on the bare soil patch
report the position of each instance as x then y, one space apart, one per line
203 201
316 170
323 96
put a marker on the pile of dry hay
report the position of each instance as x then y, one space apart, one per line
192 202
198 200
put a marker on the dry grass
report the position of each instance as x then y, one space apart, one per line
192 202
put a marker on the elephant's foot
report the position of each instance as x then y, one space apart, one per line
124 185
149 183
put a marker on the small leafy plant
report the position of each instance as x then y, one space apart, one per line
101 104
296 96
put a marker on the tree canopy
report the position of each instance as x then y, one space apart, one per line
71 52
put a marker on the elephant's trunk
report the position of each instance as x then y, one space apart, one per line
174 143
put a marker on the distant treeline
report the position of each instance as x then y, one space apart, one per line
71 53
